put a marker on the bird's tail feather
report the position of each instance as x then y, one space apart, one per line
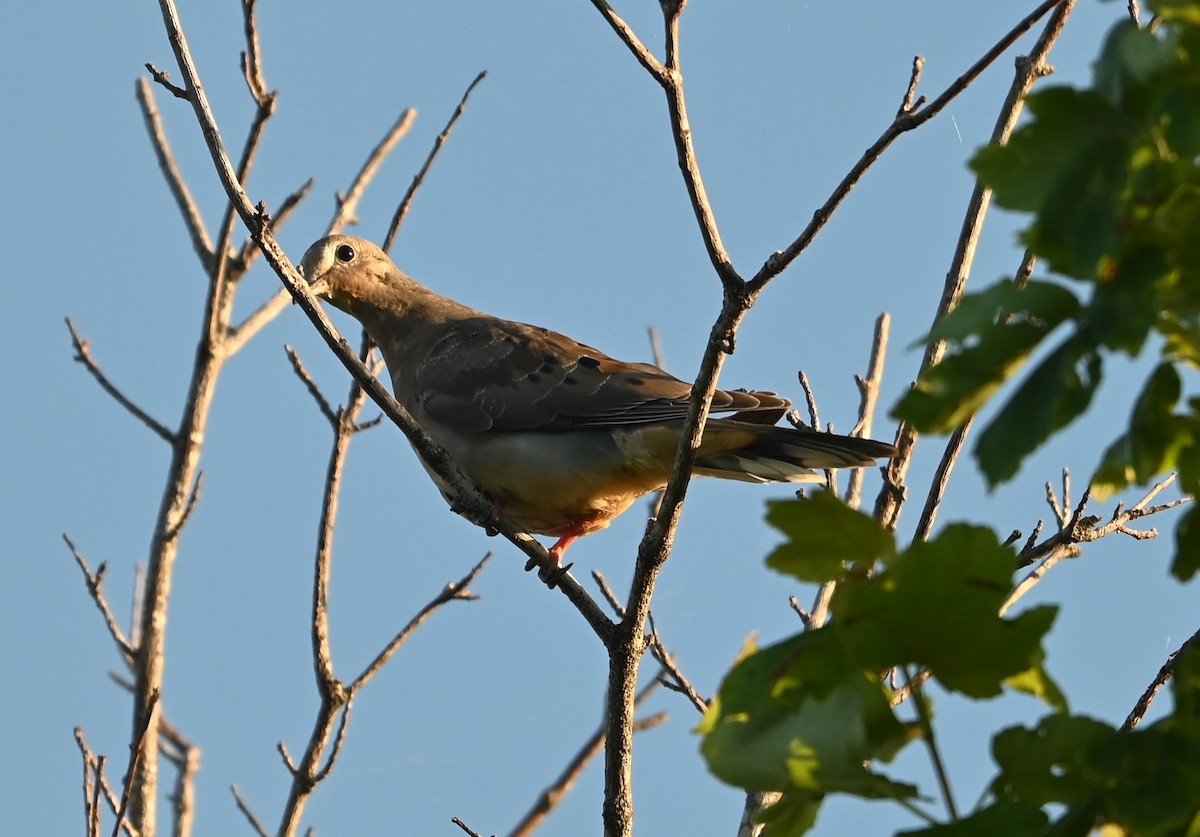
782 454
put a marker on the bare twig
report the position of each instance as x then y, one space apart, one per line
201 240
1077 528
551 797
470 832
95 585
868 391
83 355
347 203
406 201
454 591
1164 674
138 753
311 386
890 500
248 813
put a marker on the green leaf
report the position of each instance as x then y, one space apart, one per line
1007 818
947 394
936 605
1178 11
1052 396
1036 681
1067 124
1187 547
986 310
1146 781
794 814
990 335
1042 765
766 730
823 535
1156 440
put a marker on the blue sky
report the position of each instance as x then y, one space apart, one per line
557 202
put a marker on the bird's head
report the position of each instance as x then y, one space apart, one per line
353 274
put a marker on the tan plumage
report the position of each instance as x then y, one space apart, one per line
562 437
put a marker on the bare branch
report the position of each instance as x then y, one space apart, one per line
138 753
910 102
868 390
311 386
249 250
890 500
201 241
162 77
251 65
466 828
551 797
83 355
1164 674
259 318
627 36
406 201
347 204
248 813
454 591
95 584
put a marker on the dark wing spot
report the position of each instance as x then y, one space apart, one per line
551 362
589 362
635 382
534 379
569 381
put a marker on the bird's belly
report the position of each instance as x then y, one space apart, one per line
552 483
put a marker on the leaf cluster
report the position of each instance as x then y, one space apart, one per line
813 714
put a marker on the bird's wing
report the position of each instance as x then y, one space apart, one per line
486 374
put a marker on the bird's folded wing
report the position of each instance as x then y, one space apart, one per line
486 374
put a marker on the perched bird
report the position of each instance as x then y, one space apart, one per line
561 436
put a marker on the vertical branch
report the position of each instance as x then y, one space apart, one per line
1029 69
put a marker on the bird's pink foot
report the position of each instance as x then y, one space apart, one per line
554 573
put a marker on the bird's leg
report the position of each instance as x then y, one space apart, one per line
552 574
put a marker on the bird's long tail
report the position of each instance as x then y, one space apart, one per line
736 450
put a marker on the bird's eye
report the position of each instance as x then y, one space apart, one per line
344 253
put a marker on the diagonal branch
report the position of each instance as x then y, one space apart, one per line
83 355
347 204
201 241
903 123
95 584
406 201
889 502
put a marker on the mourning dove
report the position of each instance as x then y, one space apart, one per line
562 437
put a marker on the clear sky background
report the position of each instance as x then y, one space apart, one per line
556 202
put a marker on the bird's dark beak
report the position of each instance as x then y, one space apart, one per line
317 287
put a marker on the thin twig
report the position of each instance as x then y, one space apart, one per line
95 585
406 201
347 203
552 797
931 743
1164 674
83 355
311 386
138 754
868 391
188 210
454 591
470 832
1028 70
248 813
